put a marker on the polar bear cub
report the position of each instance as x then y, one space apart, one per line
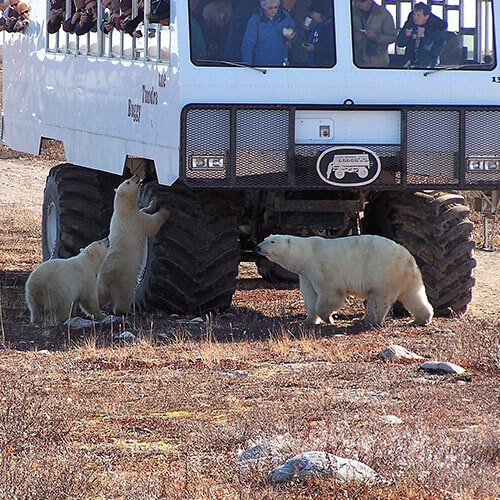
56 287
371 267
128 231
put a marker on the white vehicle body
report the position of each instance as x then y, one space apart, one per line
105 109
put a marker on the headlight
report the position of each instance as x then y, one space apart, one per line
483 164
207 163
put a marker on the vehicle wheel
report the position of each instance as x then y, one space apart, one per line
434 227
77 208
191 265
274 273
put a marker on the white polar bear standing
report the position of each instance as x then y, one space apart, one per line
371 267
56 287
128 231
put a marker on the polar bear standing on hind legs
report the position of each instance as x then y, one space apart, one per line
371 267
128 231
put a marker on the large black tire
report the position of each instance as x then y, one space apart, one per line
434 227
77 207
191 265
274 273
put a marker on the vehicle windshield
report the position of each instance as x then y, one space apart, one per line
263 33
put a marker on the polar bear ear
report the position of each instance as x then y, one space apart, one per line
116 189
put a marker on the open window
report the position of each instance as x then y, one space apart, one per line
448 34
126 29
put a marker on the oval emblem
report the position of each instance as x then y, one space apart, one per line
348 166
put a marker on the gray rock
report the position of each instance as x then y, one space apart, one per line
112 319
397 353
126 336
78 323
268 451
320 463
441 367
197 320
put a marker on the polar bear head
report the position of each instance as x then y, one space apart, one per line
276 247
126 192
96 251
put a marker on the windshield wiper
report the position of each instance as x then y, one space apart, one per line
459 66
237 64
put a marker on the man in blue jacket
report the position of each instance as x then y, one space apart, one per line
268 33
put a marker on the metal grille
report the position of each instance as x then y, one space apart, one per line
482 138
432 146
257 143
262 147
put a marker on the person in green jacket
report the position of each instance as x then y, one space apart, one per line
373 31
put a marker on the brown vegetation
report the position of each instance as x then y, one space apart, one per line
162 418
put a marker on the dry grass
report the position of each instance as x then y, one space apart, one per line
166 417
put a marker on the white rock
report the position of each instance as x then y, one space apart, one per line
267 451
440 367
234 373
397 353
320 463
78 322
126 336
197 320
44 351
111 319
391 419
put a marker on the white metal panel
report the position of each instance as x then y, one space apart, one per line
349 127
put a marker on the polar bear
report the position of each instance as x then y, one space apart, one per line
371 267
56 287
128 231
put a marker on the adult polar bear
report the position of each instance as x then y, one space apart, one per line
129 228
371 267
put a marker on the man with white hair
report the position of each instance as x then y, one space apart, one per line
267 36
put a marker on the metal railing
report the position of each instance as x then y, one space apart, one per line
153 46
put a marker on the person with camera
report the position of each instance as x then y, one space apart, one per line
77 10
88 19
56 15
373 31
423 36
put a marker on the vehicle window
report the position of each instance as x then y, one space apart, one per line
262 33
447 34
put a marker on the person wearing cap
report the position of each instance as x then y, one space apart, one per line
77 9
267 36
373 31
320 42
423 37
